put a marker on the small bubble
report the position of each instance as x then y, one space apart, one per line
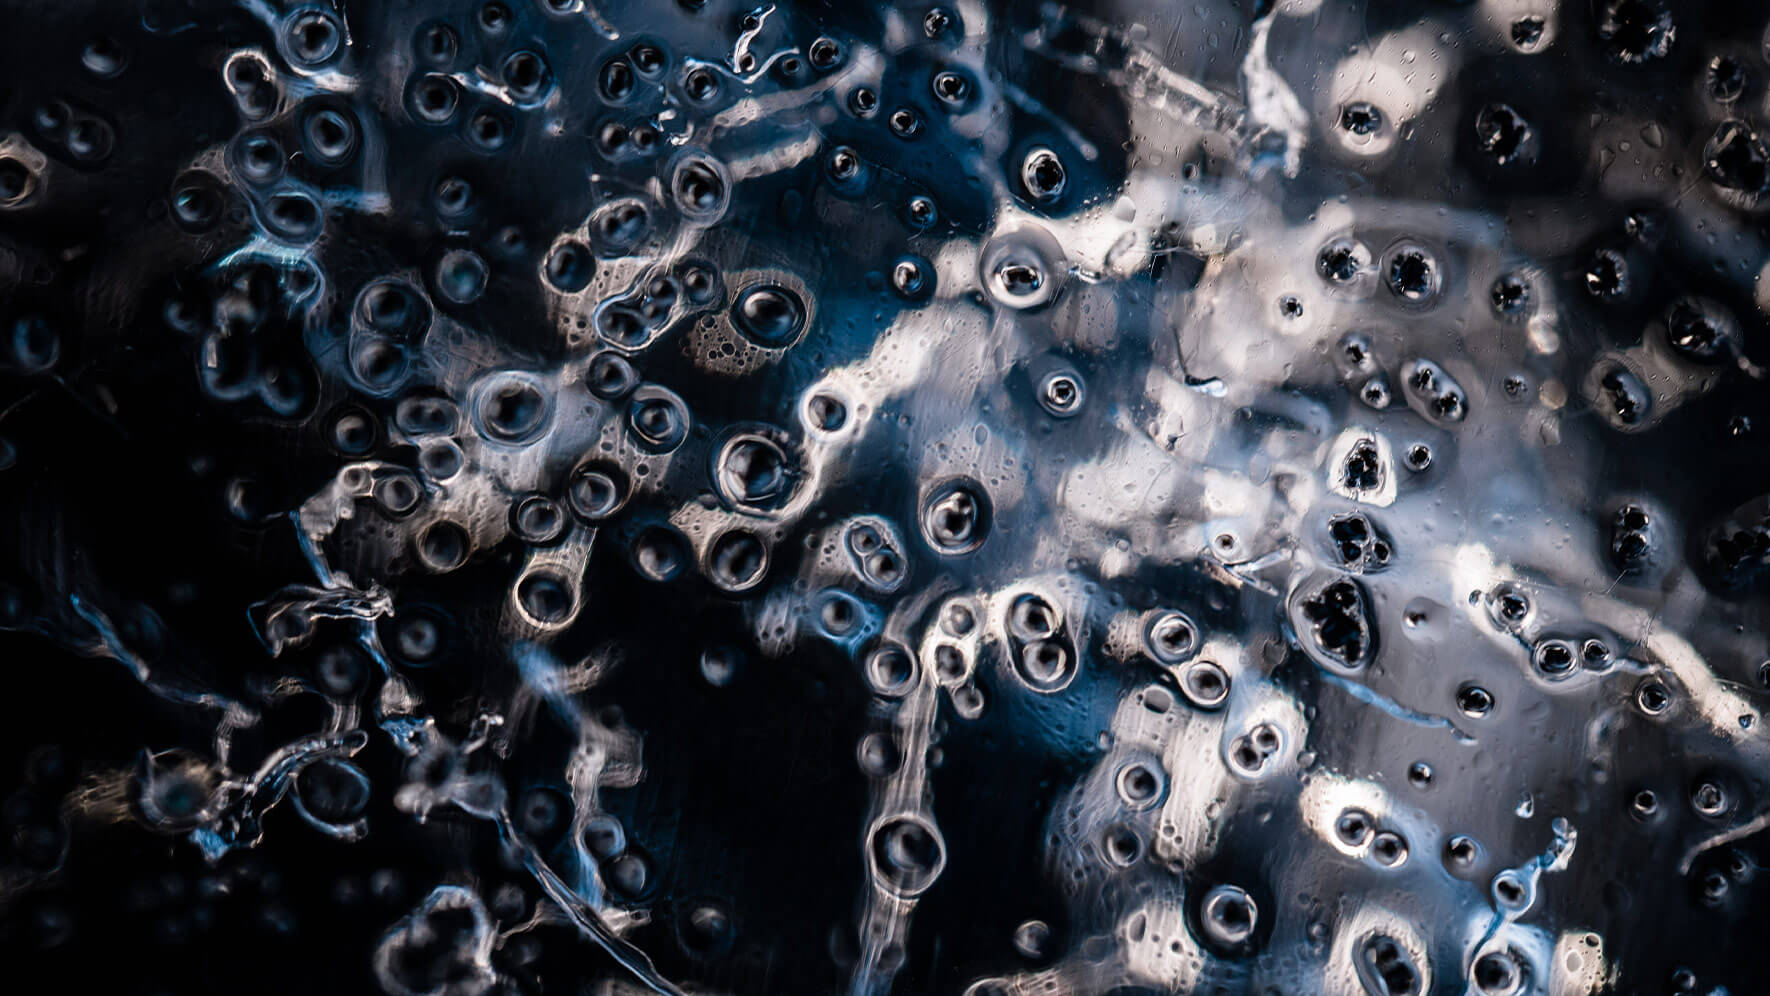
1474 701
826 412
461 276
659 554
526 76
1726 78
1061 393
906 854
738 561
1205 684
1389 849
1043 176
890 669
1607 275
1341 261
1511 296
1709 799
1527 32
596 491
1498 973
825 54
905 123
956 517
546 597
1461 854
753 471
311 37
878 756
769 315
443 546
1229 916
537 520
1354 827
1503 134
1652 697
1139 785
1385 967
1412 273
1170 637
1361 118
658 418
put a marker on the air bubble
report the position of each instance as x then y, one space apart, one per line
312 37
1634 31
906 854
1389 849
1170 637
1411 273
825 54
1361 118
659 554
1555 659
878 756
752 471
1140 786
512 408
461 276
1229 916
1354 827
537 520
526 77
1607 274
332 791
1046 666
397 492
1341 261
825 412
1043 176
1474 701
1205 684
951 89
912 278
1503 134
1031 617
890 669
442 546
702 188
769 315
1339 626
719 665
330 136
658 417
1700 330
1122 846
1062 392
956 517
1386 968
1726 78
737 561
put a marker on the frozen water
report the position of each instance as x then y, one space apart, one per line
992 498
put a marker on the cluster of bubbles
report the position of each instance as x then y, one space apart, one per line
1134 500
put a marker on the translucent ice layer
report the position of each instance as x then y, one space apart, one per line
1003 499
